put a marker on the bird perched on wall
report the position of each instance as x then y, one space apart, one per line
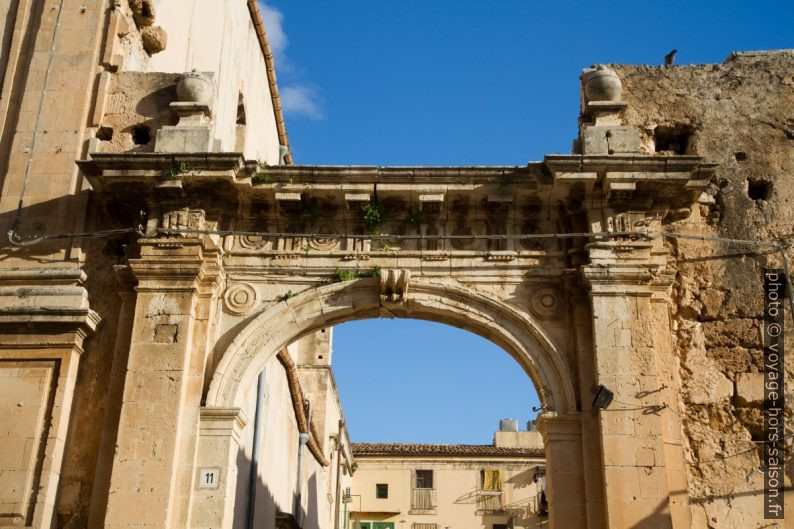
669 59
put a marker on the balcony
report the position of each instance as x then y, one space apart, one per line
423 499
489 502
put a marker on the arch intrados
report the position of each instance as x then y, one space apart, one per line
278 325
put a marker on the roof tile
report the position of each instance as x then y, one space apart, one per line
411 449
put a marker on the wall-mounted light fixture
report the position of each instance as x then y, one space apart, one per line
603 398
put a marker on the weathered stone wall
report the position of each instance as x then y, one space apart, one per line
738 114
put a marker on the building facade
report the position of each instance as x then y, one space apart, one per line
416 486
162 250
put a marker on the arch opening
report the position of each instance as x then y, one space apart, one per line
412 381
282 323
293 320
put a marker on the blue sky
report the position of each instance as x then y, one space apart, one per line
462 82
416 381
457 82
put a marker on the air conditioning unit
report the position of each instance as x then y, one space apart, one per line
508 425
532 426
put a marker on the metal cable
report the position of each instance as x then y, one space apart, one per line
13 236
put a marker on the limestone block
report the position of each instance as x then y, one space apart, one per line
143 12
184 139
610 140
749 388
709 386
154 39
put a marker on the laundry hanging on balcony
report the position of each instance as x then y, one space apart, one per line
492 479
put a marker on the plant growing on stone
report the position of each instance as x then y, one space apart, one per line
414 219
372 215
340 276
260 178
504 181
177 169
286 296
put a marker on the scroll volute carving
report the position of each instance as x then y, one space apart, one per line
183 219
394 285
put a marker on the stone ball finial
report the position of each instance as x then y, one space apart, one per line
602 84
194 87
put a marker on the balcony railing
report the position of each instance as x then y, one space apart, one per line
490 501
423 499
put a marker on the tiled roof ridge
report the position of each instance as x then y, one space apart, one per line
440 449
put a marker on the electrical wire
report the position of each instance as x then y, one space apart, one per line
770 247
386 236
14 237
660 407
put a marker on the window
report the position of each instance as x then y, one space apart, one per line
424 479
491 479
499 526
424 526
382 491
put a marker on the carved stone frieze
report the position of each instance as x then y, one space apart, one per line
323 244
252 242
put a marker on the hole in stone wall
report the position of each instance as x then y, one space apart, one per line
141 134
104 133
240 110
758 188
740 156
672 138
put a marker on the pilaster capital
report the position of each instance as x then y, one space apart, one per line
221 422
176 264
554 426
618 280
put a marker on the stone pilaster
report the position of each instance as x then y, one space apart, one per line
219 445
158 424
626 337
562 437
670 384
591 445
44 320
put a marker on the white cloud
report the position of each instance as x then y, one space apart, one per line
274 27
301 100
296 98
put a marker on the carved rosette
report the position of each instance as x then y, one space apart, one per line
240 299
545 302
252 242
323 244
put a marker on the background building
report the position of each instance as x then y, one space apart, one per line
295 457
426 486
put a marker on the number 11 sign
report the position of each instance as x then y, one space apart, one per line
209 478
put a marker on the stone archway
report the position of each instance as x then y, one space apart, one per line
510 327
443 301
578 295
